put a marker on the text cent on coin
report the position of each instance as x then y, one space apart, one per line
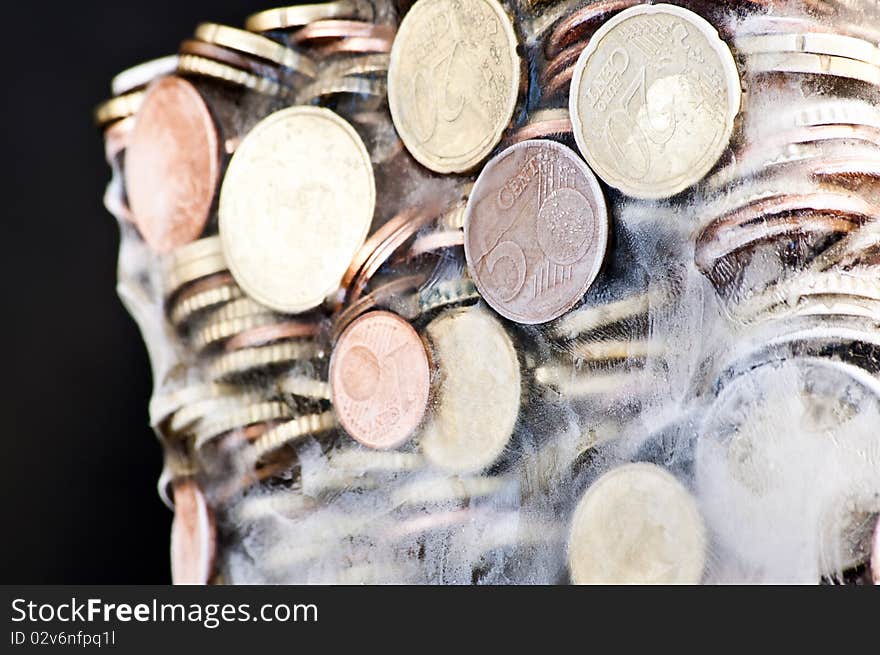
172 165
653 100
295 206
453 81
379 379
536 230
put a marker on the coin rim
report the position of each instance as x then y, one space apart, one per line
734 104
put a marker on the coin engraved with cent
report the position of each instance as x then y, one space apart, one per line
536 231
380 380
653 99
453 81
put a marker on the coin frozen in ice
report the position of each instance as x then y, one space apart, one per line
379 379
653 100
453 81
295 206
193 537
172 164
637 524
536 229
478 398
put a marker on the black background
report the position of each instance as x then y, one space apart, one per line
78 461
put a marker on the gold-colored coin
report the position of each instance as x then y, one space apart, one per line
653 100
357 86
453 81
637 524
810 64
238 416
256 45
479 394
195 65
816 43
118 108
179 276
295 207
293 430
239 362
285 18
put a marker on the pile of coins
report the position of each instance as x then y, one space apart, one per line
469 291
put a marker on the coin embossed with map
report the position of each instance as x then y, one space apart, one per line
653 99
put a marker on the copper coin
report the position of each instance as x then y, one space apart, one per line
379 380
380 41
172 165
712 245
193 537
565 59
260 336
323 30
583 23
535 231
561 82
541 129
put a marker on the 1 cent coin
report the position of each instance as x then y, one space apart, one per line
379 380
653 99
536 229
295 207
193 538
172 165
453 81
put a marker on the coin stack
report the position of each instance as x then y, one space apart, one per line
469 291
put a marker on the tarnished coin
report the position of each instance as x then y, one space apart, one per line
536 229
479 393
193 538
653 100
379 379
637 524
295 206
172 164
453 81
